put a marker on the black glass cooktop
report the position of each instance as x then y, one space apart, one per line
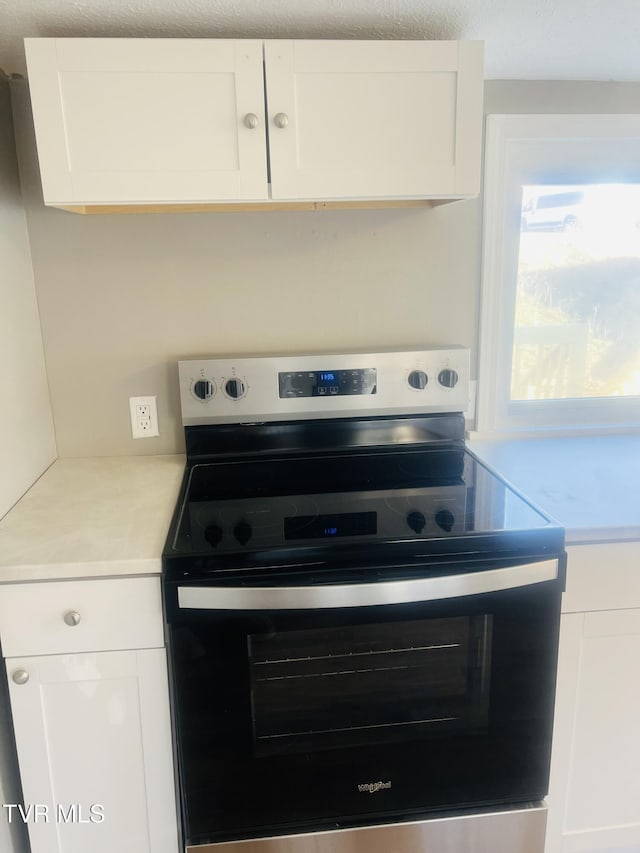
443 498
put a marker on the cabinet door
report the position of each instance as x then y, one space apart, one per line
148 120
350 119
594 797
94 750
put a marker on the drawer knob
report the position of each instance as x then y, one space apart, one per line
281 120
20 676
72 618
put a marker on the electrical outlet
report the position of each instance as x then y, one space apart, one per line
144 417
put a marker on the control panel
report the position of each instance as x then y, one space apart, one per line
294 387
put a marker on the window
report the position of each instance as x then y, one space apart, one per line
560 336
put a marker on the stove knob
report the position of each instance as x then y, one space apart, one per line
203 389
235 388
242 531
448 377
416 521
213 534
445 520
418 379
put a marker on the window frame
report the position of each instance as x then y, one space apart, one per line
527 150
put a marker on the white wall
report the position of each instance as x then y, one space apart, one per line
27 444
560 96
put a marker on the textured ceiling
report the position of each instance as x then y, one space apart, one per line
524 39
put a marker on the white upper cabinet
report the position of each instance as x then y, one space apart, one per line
148 121
373 119
184 121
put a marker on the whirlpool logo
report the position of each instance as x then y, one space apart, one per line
372 787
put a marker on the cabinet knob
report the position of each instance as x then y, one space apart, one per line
20 676
251 121
281 120
72 618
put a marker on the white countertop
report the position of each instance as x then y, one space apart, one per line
92 518
590 485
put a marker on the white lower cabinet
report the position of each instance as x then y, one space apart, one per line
92 729
594 797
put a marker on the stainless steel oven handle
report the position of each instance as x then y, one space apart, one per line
323 597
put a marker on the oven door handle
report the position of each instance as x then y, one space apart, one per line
323 597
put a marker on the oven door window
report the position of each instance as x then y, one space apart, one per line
333 688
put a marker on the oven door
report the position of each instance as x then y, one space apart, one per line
313 706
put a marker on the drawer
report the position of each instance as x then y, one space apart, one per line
80 616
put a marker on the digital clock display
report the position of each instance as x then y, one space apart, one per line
327 383
329 526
